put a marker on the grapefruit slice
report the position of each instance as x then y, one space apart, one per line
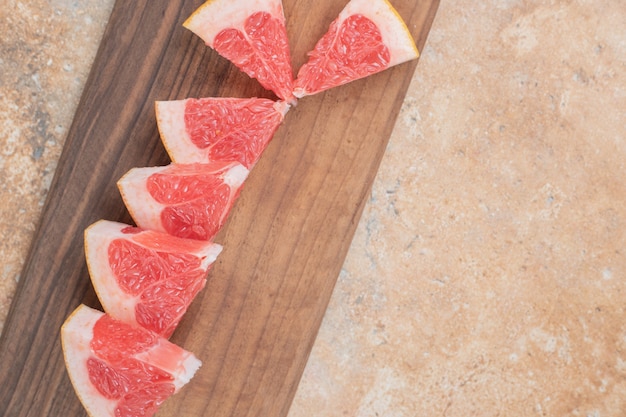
120 370
190 201
144 277
252 35
218 129
367 37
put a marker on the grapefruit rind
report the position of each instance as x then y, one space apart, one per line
223 26
142 207
145 210
396 35
170 117
76 337
114 300
111 296
393 30
216 15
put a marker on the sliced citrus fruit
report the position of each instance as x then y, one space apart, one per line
367 37
120 370
218 129
191 201
252 35
145 277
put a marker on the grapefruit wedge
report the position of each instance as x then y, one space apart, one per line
218 129
120 370
144 277
191 201
252 35
367 37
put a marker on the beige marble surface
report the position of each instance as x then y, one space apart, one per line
488 274
46 51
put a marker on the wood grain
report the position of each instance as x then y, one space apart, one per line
285 242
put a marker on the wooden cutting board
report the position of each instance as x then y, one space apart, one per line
254 324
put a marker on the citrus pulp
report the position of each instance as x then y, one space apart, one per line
120 370
218 129
145 277
190 201
252 35
367 37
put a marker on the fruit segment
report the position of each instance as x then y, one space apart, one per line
218 129
367 37
120 370
252 35
144 277
190 201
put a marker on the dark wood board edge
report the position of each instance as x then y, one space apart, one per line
51 273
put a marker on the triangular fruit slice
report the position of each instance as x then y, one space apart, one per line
367 37
144 277
218 129
252 35
120 370
191 201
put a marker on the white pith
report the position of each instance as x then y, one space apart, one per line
282 107
76 335
170 116
98 237
145 210
236 176
216 15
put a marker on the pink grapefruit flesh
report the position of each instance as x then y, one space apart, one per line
190 201
145 277
218 129
120 370
367 37
252 35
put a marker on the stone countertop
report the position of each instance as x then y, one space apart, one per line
487 276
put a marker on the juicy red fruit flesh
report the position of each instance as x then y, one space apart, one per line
196 205
165 282
114 340
116 380
238 131
138 268
138 388
345 53
262 52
